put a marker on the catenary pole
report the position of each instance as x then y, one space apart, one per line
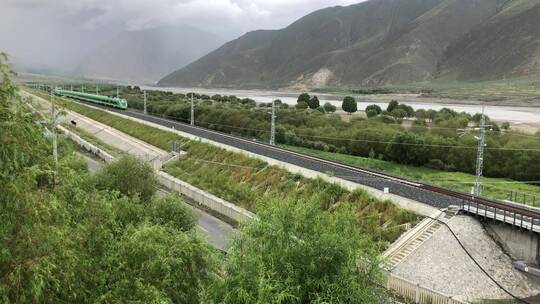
192 110
273 125
54 139
480 156
144 92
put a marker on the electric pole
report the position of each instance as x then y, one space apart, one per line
482 128
273 126
192 110
117 92
144 92
480 157
97 89
71 87
54 139
82 88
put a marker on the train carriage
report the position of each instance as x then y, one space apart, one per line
94 98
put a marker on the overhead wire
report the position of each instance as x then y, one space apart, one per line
364 140
499 285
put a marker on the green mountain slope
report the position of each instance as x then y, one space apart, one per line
376 42
147 55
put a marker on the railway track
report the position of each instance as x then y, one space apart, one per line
425 193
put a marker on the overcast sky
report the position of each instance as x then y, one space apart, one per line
45 32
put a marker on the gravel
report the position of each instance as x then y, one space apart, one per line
441 264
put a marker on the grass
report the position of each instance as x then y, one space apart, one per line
496 90
497 188
94 140
250 183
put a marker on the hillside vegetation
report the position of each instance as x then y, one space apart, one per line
380 42
70 237
249 182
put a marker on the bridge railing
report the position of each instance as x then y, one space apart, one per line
520 216
416 293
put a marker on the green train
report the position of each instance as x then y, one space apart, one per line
94 98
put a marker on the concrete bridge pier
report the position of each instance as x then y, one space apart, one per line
520 244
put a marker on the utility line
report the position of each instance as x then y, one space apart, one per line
478 264
363 140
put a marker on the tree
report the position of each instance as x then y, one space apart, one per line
301 106
329 108
349 105
505 126
392 105
304 97
408 148
297 253
170 211
407 109
129 176
398 113
314 103
72 243
373 110
160 266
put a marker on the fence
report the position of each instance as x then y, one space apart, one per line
416 293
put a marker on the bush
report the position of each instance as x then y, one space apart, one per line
301 106
373 110
436 164
171 211
329 108
128 176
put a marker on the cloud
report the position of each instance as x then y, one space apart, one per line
63 31
223 15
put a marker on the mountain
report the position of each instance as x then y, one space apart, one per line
506 46
377 42
147 55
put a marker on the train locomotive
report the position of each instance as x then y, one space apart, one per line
94 98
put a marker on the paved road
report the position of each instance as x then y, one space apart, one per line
215 230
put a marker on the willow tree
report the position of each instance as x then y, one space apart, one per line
297 253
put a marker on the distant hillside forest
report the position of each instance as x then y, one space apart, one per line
432 141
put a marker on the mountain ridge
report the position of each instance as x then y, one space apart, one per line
373 43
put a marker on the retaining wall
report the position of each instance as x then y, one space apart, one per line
86 145
206 199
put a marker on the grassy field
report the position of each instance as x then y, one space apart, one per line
250 183
525 87
493 187
497 90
